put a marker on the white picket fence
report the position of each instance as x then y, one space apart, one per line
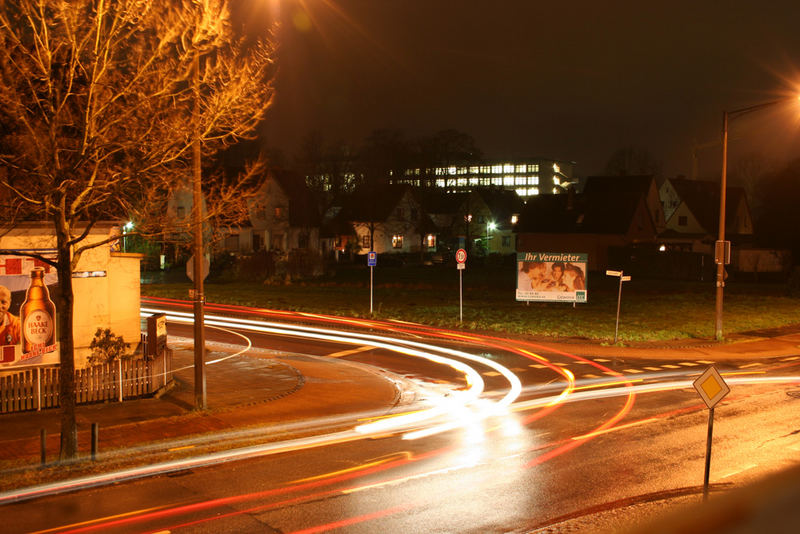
37 388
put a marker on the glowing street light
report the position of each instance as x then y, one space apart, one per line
722 248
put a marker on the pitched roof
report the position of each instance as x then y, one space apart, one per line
303 209
600 213
373 202
702 199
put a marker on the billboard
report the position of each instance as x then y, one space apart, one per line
551 276
27 313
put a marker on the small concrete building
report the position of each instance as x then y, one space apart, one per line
106 282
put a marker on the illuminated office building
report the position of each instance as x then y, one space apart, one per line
528 177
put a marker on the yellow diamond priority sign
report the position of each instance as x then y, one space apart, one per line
711 387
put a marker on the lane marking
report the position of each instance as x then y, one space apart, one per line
654 368
614 429
705 362
790 359
491 373
348 352
689 364
601 360
742 470
670 366
537 366
633 371
591 376
754 364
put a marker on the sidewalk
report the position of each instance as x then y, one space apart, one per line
256 388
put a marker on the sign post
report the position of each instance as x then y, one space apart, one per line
461 264
712 389
372 261
622 278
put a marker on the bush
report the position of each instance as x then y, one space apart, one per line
106 347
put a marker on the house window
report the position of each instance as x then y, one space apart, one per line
365 241
682 220
506 241
232 242
397 241
302 240
277 241
430 241
279 212
181 212
258 242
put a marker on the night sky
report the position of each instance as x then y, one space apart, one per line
575 81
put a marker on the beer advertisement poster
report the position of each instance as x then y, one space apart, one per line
551 276
28 330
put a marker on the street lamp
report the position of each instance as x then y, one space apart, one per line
722 248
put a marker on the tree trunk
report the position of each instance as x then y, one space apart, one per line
66 394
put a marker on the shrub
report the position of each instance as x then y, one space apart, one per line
106 347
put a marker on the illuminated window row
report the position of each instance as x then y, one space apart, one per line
453 170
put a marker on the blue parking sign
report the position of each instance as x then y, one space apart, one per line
372 258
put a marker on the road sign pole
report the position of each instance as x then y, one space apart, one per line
370 289
619 301
460 296
708 453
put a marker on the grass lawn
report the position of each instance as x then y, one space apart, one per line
651 310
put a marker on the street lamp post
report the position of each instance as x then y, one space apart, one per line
721 249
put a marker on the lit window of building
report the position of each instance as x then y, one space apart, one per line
556 168
430 241
397 241
508 180
533 168
520 169
462 182
440 183
484 169
463 170
473 170
522 192
451 170
521 180
497 169
508 167
473 181
533 180
497 181
556 181
533 191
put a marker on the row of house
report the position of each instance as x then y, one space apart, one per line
610 214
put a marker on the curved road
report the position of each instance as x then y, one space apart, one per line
499 436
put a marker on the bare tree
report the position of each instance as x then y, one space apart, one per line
101 102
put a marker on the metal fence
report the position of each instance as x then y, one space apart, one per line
37 388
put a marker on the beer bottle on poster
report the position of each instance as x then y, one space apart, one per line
37 315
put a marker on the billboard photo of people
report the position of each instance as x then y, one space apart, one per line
27 313
551 277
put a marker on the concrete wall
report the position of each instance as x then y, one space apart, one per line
109 300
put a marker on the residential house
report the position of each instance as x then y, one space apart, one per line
594 223
282 216
388 219
487 217
691 208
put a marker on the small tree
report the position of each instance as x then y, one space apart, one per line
101 102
